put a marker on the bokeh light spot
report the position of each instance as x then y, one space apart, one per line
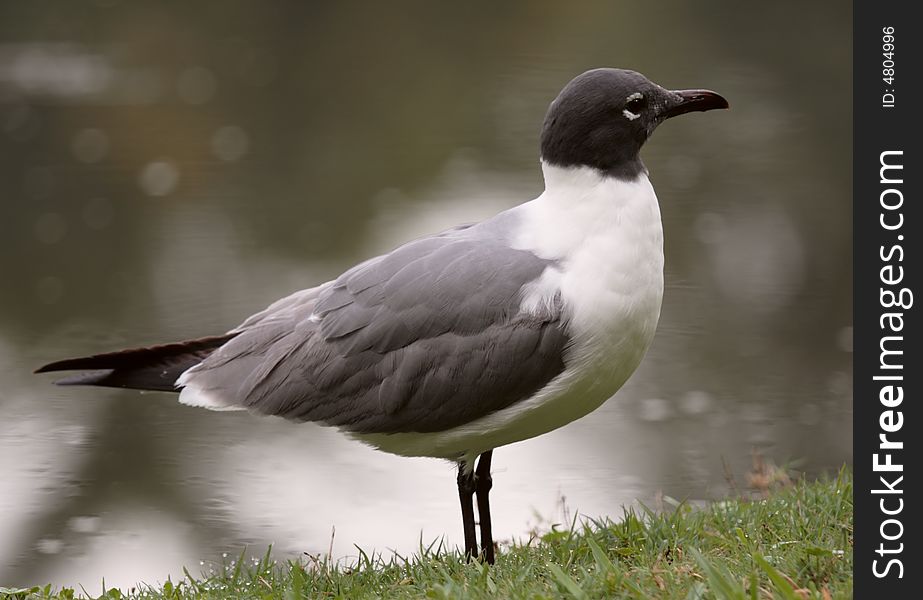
230 143
159 178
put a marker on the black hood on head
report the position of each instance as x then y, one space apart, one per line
603 117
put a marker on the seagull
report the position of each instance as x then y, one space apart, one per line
483 335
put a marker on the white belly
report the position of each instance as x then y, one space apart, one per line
608 240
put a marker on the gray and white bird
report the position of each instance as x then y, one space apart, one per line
483 335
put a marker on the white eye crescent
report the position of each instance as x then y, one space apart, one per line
633 105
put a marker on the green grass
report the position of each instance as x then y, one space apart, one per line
794 544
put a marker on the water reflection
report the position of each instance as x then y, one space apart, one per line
167 174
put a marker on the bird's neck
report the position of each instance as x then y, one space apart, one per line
570 178
582 206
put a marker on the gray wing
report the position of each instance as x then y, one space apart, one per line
425 338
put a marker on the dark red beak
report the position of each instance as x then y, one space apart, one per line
695 100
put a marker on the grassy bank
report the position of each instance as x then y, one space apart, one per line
796 543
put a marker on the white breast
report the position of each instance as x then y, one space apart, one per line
607 240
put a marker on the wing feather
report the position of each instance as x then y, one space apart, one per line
428 337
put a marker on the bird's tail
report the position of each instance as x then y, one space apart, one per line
153 368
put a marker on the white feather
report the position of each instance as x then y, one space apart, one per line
192 395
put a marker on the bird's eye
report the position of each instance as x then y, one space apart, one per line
635 104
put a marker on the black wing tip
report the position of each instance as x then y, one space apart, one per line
68 364
154 368
91 378
47 368
134 358
110 378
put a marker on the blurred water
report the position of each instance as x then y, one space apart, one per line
169 169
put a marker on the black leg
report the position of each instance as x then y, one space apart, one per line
465 492
483 483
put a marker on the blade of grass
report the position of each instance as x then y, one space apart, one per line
720 582
567 582
782 585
